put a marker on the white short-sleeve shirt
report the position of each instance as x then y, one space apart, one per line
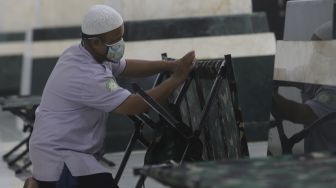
70 120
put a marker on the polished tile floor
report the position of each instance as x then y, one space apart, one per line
10 134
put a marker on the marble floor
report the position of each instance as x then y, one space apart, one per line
10 134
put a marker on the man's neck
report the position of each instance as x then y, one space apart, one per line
94 54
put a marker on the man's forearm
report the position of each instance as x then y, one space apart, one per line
140 68
181 68
135 104
164 90
293 111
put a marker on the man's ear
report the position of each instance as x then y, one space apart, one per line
95 44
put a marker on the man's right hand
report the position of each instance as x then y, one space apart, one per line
184 66
134 104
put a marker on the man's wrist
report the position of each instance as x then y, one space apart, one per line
170 65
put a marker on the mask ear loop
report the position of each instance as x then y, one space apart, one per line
98 57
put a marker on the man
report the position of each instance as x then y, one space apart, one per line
317 102
70 121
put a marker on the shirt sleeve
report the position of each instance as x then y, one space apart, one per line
103 92
117 68
324 102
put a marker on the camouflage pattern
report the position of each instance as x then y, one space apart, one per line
220 135
242 105
302 171
223 130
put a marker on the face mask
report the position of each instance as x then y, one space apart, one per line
115 51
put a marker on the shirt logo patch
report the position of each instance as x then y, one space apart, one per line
111 85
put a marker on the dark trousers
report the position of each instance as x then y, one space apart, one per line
102 180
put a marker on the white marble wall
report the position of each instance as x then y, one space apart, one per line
205 47
306 61
18 15
11 48
157 9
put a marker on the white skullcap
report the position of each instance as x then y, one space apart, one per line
100 19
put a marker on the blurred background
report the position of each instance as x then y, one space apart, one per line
33 33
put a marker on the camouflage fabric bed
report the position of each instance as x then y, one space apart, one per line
313 170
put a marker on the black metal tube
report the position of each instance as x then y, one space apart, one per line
127 153
212 95
182 92
160 110
146 120
12 162
24 141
